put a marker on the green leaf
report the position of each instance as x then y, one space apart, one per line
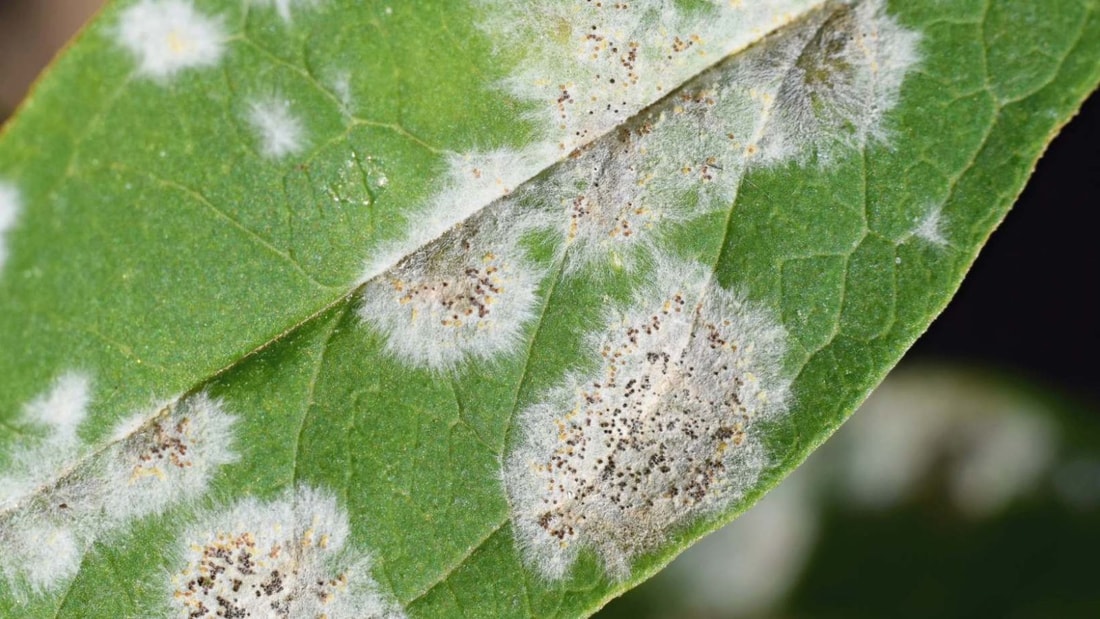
477 307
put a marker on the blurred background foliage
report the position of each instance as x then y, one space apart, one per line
968 485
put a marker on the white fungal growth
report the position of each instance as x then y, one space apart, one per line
341 87
63 408
36 553
827 80
830 82
664 431
471 181
278 131
930 227
678 161
687 155
284 7
816 89
169 459
58 412
290 557
66 494
41 555
169 36
588 66
10 205
466 297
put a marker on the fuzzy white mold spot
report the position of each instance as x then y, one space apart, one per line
67 495
471 181
10 205
661 433
59 412
341 87
821 84
35 553
285 7
290 557
169 459
830 82
930 227
278 130
465 297
682 159
64 407
38 556
588 66
169 36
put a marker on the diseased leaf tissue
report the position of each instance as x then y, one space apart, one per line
646 122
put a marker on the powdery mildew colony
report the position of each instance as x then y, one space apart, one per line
289 557
278 131
611 202
830 82
169 36
471 182
588 67
930 227
465 297
285 8
38 554
662 432
10 205
62 496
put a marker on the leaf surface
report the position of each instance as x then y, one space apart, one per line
403 264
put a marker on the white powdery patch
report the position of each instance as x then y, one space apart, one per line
829 83
341 87
41 556
290 557
36 554
471 182
930 227
682 159
58 412
71 495
284 7
588 66
170 458
661 434
169 36
10 205
465 297
278 131
821 85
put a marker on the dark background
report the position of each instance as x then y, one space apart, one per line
1031 303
